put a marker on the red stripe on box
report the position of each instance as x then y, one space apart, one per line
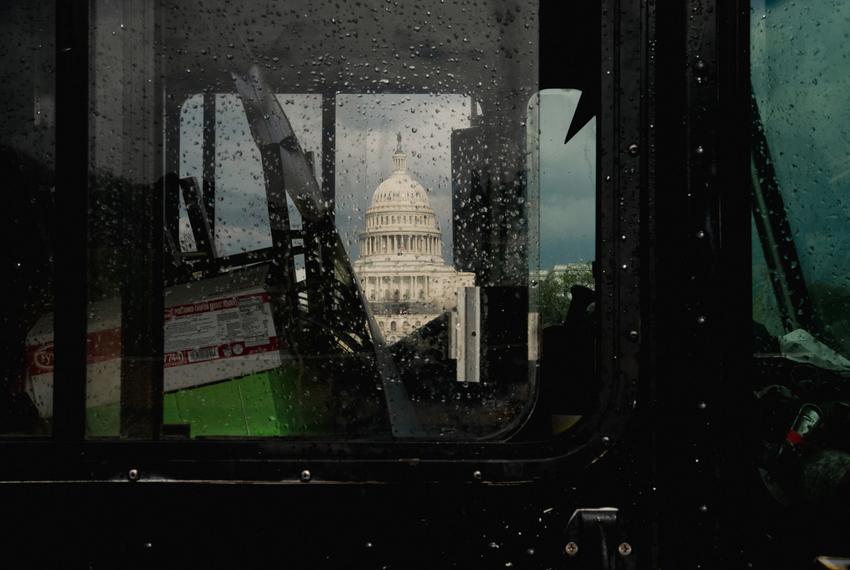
100 346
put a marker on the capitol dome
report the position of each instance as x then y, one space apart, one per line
400 267
400 221
400 188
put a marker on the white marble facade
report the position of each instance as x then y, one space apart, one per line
401 267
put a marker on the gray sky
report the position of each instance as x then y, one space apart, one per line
366 137
567 180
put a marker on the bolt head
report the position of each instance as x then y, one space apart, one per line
634 149
477 475
306 475
624 549
571 549
133 475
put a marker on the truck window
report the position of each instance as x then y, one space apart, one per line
310 221
801 264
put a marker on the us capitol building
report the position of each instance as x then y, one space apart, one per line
401 267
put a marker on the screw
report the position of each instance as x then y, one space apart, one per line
306 476
634 149
133 475
571 549
633 335
701 320
700 234
606 441
477 475
699 66
625 548
700 150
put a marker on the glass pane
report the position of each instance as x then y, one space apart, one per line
801 180
562 230
325 222
765 308
27 146
241 221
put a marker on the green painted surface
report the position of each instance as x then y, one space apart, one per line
103 421
261 404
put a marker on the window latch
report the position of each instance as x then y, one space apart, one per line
595 540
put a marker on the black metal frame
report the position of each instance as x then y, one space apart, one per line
625 153
703 319
72 166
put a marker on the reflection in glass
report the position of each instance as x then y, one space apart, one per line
27 147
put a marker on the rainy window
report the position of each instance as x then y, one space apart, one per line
27 145
801 245
311 221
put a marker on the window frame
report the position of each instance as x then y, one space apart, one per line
622 177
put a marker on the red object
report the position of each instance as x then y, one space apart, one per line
793 437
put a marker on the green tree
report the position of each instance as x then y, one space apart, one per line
554 291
